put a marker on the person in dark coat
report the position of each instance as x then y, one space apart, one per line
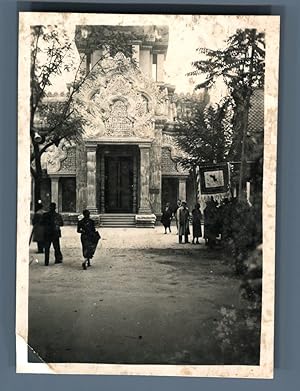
197 217
52 221
38 231
89 238
183 217
210 223
166 218
225 219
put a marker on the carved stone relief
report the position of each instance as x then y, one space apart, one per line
118 122
53 158
170 142
172 153
118 100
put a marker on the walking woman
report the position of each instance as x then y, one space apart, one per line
197 216
89 238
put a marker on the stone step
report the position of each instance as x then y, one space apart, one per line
117 222
117 219
121 220
130 217
117 226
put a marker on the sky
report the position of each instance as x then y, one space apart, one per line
186 34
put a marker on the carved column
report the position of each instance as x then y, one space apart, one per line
182 189
145 60
160 67
144 180
54 191
134 185
102 183
91 178
155 169
80 177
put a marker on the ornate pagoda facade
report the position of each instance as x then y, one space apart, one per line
125 168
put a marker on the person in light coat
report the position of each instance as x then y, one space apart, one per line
183 218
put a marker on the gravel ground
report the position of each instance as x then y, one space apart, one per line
145 299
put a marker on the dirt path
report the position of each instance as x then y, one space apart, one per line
145 299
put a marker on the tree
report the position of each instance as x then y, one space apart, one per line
241 66
52 55
205 137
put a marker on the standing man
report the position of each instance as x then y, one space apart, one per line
210 223
52 222
183 216
175 214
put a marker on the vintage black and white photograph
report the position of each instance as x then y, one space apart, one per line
146 194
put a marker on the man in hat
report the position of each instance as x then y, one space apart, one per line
52 222
183 216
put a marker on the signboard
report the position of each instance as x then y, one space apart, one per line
214 178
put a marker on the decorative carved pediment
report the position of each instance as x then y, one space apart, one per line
118 100
53 158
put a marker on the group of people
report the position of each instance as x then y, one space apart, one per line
182 217
219 220
47 230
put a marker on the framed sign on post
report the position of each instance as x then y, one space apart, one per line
214 178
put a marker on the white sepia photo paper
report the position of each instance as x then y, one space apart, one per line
146 194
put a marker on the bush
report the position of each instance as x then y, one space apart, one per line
238 232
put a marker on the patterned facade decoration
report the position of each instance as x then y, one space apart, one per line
118 122
59 159
118 97
169 167
184 104
68 165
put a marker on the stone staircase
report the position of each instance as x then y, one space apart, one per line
117 220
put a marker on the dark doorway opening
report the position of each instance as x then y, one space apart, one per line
169 192
68 194
119 184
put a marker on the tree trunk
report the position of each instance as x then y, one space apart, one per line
37 192
194 176
38 175
244 129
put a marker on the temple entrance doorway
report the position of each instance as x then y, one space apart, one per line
117 173
119 184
